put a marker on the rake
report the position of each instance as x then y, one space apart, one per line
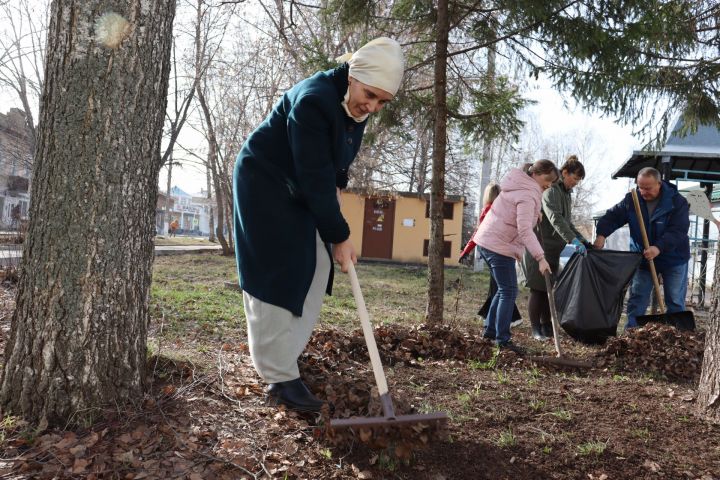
561 359
389 418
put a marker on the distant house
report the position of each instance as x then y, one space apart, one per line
15 168
191 211
396 225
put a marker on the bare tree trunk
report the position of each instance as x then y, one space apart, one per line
708 400
422 167
219 196
487 141
79 331
436 262
168 191
211 221
212 156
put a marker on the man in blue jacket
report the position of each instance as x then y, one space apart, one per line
665 213
287 180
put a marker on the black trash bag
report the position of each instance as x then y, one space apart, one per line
590 292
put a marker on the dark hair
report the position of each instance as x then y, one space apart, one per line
541 167
573 166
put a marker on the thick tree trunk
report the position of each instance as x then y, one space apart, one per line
436 262
708 401
78 336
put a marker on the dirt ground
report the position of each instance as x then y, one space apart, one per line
629 417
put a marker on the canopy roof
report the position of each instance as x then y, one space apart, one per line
695 157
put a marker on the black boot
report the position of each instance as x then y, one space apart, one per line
294 395
537 332
547 329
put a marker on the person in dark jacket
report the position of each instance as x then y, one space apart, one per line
667 221
555 231
287 182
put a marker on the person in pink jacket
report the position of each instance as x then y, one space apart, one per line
505 234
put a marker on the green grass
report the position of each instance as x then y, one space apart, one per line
188 293
506 439
189 297
488 365
592 448
537 404
185 241
563 415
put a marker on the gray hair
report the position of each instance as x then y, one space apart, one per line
650 172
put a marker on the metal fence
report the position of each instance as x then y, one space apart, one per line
11 245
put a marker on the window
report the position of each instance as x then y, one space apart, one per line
447 210
446 248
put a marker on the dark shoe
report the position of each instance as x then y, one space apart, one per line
537 333
294 395
509 345
547 329
489 336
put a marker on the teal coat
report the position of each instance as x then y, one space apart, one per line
555 231
284 187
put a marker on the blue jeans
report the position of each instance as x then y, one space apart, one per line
674 290
500 314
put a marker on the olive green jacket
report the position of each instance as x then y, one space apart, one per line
554 232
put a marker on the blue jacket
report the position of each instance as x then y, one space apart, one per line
284 188
667 229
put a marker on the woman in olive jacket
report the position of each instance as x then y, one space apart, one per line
287 180
555 231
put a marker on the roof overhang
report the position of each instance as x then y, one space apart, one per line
684 165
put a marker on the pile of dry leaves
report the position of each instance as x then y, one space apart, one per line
402 344
656 348
336 368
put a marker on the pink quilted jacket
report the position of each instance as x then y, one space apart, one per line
508 227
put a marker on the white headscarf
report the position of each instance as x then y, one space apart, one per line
379 63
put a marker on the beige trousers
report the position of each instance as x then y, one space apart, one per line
276 337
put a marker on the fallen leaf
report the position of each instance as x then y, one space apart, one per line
78 450
80 465
654 467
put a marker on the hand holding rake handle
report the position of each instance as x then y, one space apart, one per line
646 245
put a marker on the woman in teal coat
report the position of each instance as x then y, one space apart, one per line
287 180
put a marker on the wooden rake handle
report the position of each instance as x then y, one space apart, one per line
553 314
646 244
367 331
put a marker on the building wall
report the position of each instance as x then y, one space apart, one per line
410 228
15 165
353 209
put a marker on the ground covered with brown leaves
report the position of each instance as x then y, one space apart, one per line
204 417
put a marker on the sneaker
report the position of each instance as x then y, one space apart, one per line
489 336
509 345
516 323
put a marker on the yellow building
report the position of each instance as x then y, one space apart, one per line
396 225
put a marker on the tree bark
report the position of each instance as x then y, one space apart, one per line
708 401
211 209
436 262
168 192
78 335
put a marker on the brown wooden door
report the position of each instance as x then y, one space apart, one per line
378 228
